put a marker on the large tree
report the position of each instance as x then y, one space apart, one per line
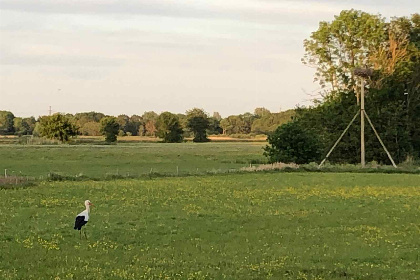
198 123
338 47
110 128
57 126
149 119
169 128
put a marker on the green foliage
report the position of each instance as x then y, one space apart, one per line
169 128
214 126
110 129
18 126
393 93
198 123
149 119
87 117
268 122
6 123
232 125
24 126
261 112
293 143
91 128
123 122
134 125
337 47
57 126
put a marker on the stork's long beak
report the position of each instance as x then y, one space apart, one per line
91 204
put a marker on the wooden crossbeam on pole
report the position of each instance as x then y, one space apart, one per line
362 123
339 139
380 140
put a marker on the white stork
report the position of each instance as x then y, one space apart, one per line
82 218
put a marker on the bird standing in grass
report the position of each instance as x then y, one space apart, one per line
82 218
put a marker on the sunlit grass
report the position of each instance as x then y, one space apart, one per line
95 161
243 226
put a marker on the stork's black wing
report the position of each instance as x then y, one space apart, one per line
80 221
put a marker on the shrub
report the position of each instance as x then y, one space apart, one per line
293 143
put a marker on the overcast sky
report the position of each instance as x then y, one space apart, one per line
131 56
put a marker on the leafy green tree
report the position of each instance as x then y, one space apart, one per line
82 118
91 129
337 47
28 125
6 123
110 128
149 119
247 120
24 126
134 125
268 123
292 142
169 128
57 126
232 125
123 121
214 127
261 112
18 126
198 123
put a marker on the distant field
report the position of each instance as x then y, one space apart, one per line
13 139
98 161
238 226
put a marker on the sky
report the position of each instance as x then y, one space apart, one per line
131 56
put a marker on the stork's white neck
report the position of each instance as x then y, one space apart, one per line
88 208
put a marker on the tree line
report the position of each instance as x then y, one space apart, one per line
169 126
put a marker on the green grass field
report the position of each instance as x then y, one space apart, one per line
98 161
236 226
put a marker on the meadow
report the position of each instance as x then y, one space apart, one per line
232 226
136 159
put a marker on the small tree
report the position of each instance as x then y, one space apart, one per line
57 126
198 123
292 142
169 128
110 128
6 122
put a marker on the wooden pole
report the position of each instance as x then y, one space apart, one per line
341 136
362 123
380 140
